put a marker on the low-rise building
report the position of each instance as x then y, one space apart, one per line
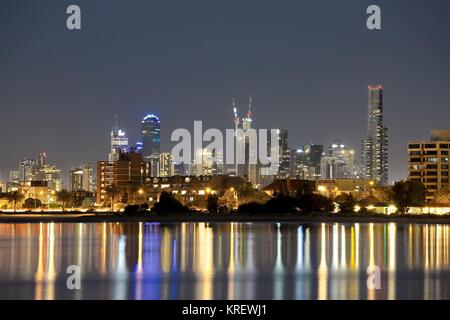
428 162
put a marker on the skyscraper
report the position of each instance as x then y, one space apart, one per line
166 165
375 146
119 142
41 160
26 169
338 162
285 156
151 141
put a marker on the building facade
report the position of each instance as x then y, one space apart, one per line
428 162
375 149
119 142
151 141
128 173
338 162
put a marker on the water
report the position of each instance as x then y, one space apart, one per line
224 261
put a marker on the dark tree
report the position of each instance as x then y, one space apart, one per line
168 204
406 194
212 203
32 203
346 203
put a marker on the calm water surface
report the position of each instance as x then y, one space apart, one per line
224 260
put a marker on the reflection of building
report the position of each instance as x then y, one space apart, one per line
151 141
428 162
375 145
338 162
129 171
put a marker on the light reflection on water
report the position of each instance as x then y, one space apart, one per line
224 260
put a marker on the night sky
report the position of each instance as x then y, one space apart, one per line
307 64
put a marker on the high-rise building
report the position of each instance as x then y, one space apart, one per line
428 162
375 146
41 160
26 169
166 165
284 170
14 176
51 175
338 162
304 168
119 142
76 179
316 152
88 177
151 142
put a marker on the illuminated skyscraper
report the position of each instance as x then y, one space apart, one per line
151 142
119 142
338 162
375 146
166 165
26 169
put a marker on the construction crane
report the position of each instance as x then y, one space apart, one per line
249 114
236 123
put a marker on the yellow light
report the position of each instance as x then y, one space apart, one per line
371 183
208 190
141 191
357 208
371 207
232 189
322 188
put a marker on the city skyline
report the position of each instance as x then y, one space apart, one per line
66 97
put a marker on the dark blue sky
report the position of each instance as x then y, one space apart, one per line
307 63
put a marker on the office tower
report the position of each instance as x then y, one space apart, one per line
51 175
308 162
246 148
14 176
284 170
166 165
316 152
26 169
338 162
88 177
128 173
428 162
181 169
119 142
218 167
151 141
76 179
375 145
41 160
203 162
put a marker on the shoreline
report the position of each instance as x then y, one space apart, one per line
69 217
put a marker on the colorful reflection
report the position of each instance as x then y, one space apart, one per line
224 261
